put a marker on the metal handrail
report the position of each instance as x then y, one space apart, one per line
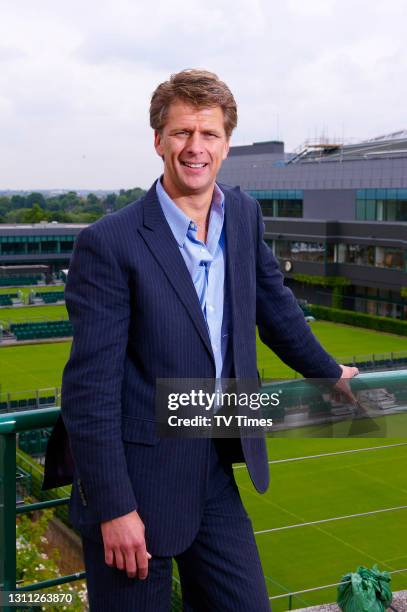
10 425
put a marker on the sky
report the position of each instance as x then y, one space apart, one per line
76 78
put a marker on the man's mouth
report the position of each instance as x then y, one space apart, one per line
192 165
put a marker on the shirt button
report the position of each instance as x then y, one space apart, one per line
211 308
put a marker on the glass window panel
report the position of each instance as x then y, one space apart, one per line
359 255
387 257
360 210
266 207
401 211
330 253
370 210
390 210
289 208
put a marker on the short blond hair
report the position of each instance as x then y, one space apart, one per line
198 88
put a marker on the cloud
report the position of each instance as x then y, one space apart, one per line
9 53
76 79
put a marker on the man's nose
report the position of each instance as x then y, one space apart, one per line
195 144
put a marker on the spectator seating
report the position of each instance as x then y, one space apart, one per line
50 297
18 281
34 442
42 329
6 299
29 403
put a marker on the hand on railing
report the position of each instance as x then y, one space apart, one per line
343 386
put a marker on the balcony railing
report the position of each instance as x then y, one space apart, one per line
12 423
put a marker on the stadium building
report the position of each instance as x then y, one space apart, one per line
337 213
28 249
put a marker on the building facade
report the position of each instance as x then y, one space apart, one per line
336 213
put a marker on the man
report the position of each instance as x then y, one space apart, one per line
172 286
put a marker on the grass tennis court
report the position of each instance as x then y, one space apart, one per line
32 366
342 341
32 313
297 556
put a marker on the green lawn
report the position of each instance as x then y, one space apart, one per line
342 341
322 488
30 367
32 313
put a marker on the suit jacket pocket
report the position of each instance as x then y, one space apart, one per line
139 431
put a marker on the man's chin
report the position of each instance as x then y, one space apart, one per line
197 187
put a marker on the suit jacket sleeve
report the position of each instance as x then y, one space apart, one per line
97 299
281 322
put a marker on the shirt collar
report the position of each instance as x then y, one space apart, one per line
178 221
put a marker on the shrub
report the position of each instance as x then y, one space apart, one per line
360 319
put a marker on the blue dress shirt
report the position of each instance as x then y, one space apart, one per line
205 263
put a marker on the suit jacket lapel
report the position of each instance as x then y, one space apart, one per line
159 238
232 221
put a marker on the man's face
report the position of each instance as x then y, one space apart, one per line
193 144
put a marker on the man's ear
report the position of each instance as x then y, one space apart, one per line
158 144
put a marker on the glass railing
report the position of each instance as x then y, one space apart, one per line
13 423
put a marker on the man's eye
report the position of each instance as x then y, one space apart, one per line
182 133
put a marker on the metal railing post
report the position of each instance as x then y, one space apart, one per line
8 557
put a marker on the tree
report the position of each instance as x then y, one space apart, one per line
18 201
5 207
35 198
16 216
92 199
35 215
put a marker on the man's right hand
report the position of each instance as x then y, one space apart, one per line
125 545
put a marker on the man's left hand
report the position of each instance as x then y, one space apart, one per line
343 386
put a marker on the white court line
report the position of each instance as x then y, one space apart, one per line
328 520
345 452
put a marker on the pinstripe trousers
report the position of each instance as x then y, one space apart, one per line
220 571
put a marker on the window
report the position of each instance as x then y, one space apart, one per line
381 204
281 208
280 202
300 251
387 257
359 255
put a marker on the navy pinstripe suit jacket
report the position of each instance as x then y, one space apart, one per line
136 317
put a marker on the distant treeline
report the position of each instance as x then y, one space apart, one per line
65 208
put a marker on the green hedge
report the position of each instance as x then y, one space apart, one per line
323 281
360 319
